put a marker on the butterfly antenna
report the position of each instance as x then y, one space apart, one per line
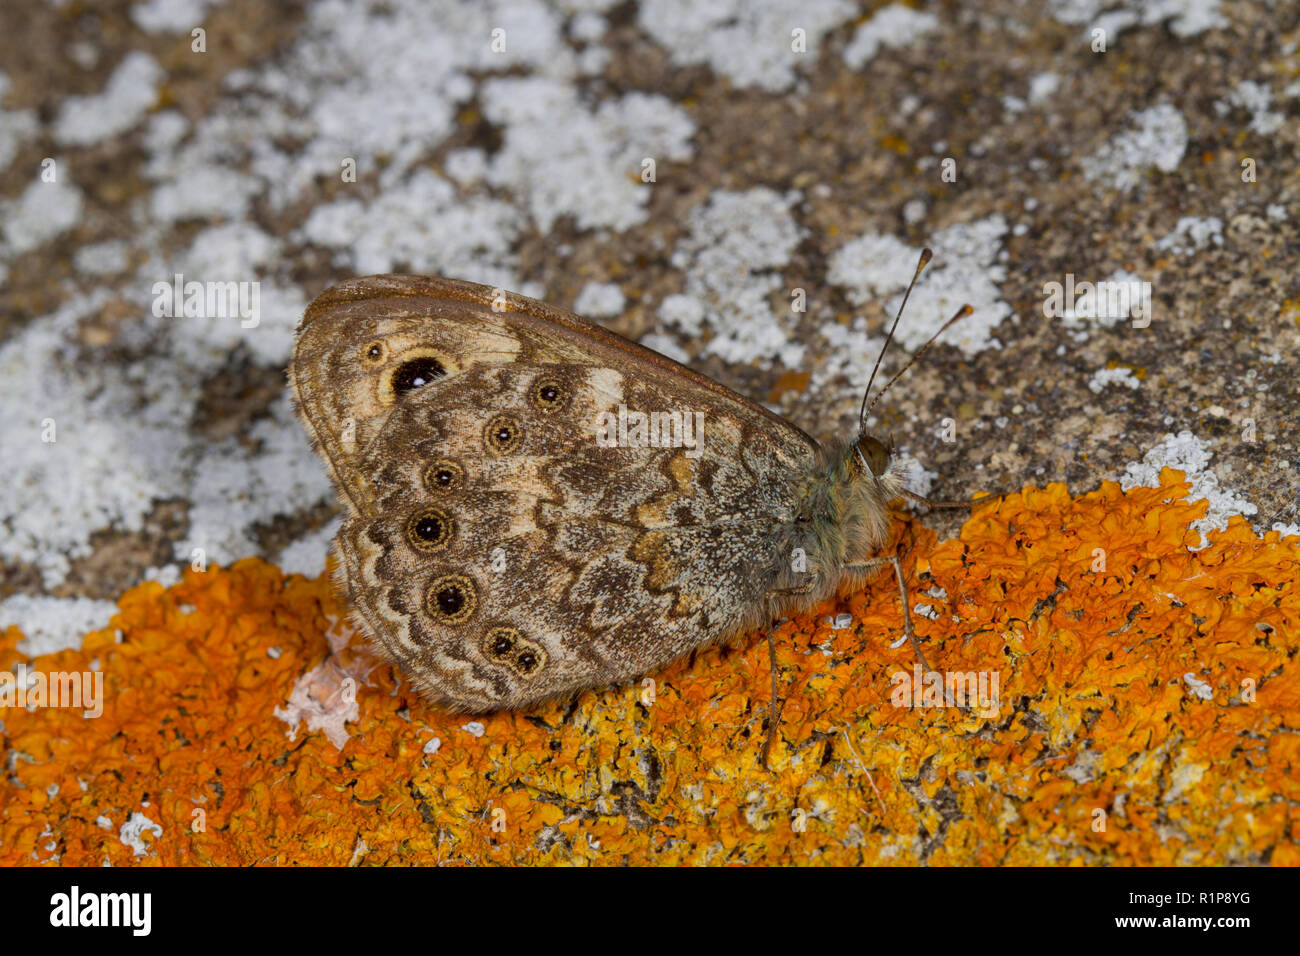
964 311
926 256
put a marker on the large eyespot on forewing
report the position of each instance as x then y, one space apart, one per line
414 371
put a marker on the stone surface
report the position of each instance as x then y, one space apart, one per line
775 170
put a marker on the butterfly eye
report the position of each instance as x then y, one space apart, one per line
416 373
428 530
374 353
503 434
450 599
874 452
549 395
443 475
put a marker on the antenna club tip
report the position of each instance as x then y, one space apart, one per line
966 310
926 255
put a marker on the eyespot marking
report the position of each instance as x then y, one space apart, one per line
429 530
500 641
414 370
443 475
503 434
451 599
508 646
549 395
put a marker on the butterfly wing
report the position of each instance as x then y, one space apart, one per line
512 535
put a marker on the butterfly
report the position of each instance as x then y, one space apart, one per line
536 506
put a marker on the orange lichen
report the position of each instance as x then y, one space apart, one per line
1148 713
791 381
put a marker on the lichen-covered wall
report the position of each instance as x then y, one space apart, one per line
802 155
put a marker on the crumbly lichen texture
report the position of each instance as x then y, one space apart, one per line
1148 713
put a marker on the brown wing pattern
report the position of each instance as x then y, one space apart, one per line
495 547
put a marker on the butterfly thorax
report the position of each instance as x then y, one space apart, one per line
844 511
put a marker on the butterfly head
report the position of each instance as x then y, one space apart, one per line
847 508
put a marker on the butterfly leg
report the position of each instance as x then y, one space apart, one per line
797 589
778 704
902 594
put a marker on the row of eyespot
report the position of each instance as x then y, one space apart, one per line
502 434
451 599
